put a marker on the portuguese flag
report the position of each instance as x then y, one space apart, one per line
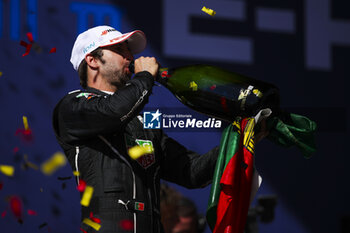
235 179
231 189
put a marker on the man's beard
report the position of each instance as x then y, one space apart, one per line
120 78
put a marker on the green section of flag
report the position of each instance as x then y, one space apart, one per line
228 147
293 130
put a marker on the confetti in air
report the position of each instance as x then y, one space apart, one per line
208 11
25 122
57 161
85 200
53 50
92 224
137 151
15 150
3 214
26 133
26 45
7 170
193 86
96 220
32 212
16 207
28 164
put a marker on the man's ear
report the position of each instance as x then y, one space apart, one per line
91 61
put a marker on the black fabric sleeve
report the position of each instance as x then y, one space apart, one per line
81 118
184 167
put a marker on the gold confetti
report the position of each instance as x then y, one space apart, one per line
257 93
28 163
137 151
0 73
92 224
76 173
193 86
7 170
55 162
85 200
25 123
208 11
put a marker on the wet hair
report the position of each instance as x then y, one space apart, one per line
82 69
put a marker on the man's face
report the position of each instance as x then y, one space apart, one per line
116 64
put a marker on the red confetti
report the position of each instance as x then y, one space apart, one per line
30 37
16 206
26 135
127 225
213 87
3 214
53 50
223 104
1 185
15 150
28 47
82 185
25 44
96 220
32 212
83 230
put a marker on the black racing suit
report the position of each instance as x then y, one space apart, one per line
95 130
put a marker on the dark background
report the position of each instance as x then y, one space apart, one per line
312 193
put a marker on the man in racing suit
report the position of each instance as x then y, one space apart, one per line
95 128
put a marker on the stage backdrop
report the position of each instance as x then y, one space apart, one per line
302 46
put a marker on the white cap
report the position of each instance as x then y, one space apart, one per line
102 36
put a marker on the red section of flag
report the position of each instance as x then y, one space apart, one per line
16 206
236 182
32 212
83 230
96 220
126 225
82 185
53 50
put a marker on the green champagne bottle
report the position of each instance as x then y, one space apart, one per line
219 93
